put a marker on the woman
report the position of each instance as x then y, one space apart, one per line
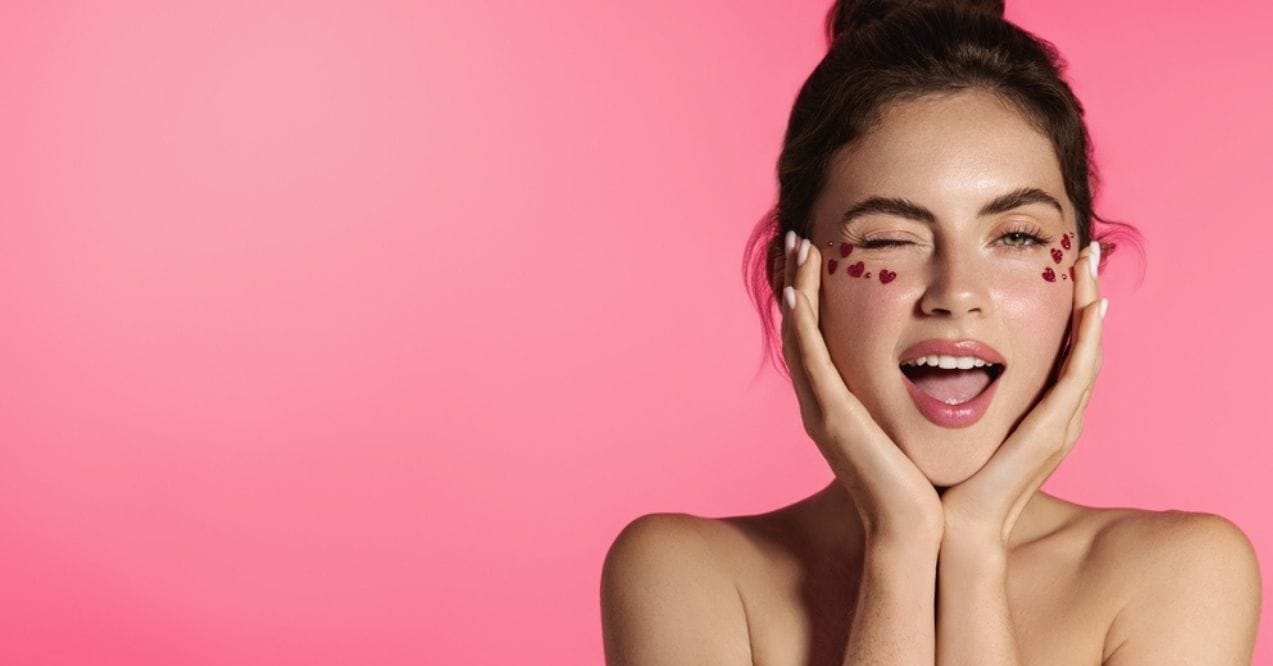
933 252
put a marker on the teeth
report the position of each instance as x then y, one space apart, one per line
949 362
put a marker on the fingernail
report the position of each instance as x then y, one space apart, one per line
1093 258
804 251
1104 306
789 295
791 241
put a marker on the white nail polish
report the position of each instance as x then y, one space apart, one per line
790 241
1092 260
804 252
1104 306
789 295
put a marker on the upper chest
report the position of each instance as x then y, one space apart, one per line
1061 602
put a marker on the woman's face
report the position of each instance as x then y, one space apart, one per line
963 274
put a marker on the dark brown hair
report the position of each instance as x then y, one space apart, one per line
883 51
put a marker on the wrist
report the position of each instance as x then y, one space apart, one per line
973 556
905 546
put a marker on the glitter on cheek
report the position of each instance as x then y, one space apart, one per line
858 270
1050 275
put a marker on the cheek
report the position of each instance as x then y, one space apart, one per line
1059 265
1036 309
866 303
842 267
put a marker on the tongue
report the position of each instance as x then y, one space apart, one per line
951 386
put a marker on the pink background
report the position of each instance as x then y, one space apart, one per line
353 332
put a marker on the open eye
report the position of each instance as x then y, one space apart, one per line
1023 238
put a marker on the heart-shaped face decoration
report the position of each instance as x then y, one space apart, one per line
1065 241
856 269
831 266
1071 272
1056 256
886 276
1049 275
845 249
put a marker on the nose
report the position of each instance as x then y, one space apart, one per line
956 287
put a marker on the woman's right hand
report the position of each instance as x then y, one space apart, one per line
895 501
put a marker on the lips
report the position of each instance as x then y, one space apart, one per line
952 398
940 347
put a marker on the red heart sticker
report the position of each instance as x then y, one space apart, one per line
831 266
886 276
1049 275
856 269
845 249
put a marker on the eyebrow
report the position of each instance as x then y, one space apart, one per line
908 209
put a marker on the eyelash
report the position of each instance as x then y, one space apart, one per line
1031 234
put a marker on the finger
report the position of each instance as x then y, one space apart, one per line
807 353
796 342
1086 291
1085 359
793 352
808 275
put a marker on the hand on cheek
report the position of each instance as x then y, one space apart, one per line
984 508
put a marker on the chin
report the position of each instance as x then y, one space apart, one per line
951 459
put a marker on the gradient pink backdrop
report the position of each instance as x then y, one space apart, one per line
349 332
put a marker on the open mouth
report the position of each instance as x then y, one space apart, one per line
951 386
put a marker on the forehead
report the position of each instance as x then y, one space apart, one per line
948 151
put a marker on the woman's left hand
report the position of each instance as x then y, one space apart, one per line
983 509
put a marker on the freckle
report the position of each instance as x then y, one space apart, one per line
868 274
1062 276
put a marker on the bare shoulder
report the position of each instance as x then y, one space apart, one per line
1189 584
667 595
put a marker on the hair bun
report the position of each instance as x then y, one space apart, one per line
849 15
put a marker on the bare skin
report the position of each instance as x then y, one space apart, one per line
796 568
1086 585
936 544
